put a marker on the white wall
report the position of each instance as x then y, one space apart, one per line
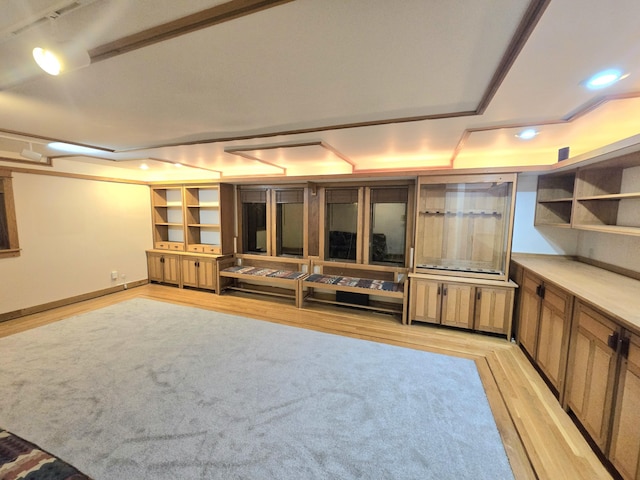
72 234
530 239
620 250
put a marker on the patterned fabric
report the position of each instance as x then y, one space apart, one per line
23 460
265 272
355 282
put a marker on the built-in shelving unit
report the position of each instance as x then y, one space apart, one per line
190 218
203 219
168 220
603 196
555 200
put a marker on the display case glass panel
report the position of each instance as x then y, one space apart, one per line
464 228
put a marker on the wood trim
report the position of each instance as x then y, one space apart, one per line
529 21
190 23
45 163
77 176
68 301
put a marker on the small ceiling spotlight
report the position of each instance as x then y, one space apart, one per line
61 58
604 79
144 166
29 154
527 134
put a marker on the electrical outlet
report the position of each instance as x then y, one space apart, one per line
114 275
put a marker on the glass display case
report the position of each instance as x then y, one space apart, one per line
464 225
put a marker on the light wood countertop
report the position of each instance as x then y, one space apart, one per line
614 294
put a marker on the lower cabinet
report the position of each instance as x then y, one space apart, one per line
592 371
199 272
494 310
544 328
462 304
624 452
163 268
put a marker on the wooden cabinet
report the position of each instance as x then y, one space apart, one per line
625 440
463 304
493 310
457 305
464 225
602 372
592 371
544 327
529 313
603 196
442 303
163 268
199 272
425 301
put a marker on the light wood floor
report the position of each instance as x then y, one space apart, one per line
539 437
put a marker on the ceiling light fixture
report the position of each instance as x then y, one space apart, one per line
604 79
144 166
527 134
29 154
61 58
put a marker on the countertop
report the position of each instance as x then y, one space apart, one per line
616 295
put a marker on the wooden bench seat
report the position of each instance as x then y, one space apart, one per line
373 280
277 276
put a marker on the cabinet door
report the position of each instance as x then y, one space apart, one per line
553 335
591 371
190 271
529 313
171 269
207 273
425 301
457 305
625 439
493 310
155 267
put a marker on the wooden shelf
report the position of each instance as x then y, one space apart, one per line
610 196
460 212
604 197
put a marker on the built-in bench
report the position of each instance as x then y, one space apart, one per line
355 284
276 276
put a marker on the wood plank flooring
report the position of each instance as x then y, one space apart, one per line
540 439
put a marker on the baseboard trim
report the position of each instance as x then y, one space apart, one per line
68 301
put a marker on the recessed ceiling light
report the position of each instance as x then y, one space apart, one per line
527 134
604 79
144 166
177 165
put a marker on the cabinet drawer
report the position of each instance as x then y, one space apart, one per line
196 248
598 325
215 249
556 298
176 246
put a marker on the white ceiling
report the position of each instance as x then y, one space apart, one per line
320 87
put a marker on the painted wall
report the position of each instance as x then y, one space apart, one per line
73 233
